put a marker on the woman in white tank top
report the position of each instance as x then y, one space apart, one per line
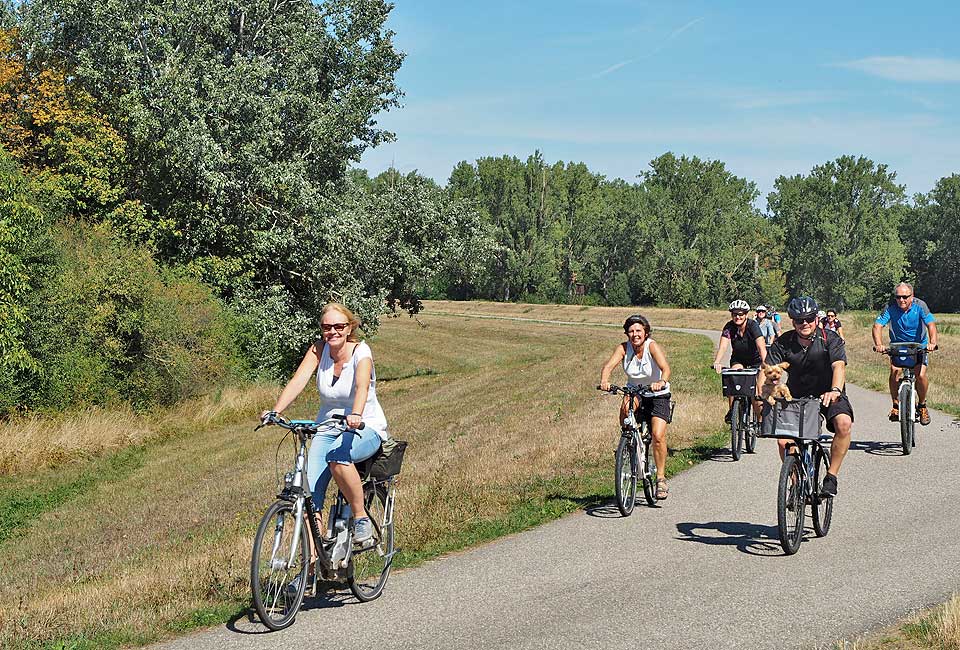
645 364
347 383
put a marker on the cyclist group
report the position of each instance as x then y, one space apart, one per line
814 349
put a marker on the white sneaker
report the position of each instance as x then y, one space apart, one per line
362 530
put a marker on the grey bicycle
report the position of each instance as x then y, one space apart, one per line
280 567
805 464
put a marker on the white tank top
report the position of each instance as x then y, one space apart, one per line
337 398
642 369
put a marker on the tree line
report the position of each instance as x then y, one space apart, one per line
179 196
689 233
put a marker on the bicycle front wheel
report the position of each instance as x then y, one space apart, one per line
790 504
649 474
736 429
370 566
822 507
753 428
278 570
907 417
626 475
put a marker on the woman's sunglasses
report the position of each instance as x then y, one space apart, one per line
333 326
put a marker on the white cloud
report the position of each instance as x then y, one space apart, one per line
906 68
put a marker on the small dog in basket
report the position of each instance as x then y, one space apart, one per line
770 386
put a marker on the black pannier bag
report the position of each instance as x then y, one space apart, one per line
797 418
386 462
739 382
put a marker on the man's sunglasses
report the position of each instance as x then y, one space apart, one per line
333 326
801 321
906 297
738 313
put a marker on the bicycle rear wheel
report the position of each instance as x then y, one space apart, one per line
753 427
790 504
370 565
278 576
822 508
736 429
907 417
626 474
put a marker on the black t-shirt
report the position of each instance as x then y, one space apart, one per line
743 348
811 368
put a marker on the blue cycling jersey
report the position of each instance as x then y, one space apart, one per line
907 326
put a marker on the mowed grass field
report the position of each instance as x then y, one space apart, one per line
119 529
866 368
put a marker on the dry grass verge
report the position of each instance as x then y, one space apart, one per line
506 431
937 628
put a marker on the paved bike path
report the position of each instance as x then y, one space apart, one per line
704 570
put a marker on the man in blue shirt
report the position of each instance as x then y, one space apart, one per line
910 321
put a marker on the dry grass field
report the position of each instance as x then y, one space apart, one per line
506 431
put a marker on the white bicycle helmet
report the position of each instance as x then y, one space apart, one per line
760 308
739 305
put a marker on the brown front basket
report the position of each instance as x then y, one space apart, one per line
797 418
385 463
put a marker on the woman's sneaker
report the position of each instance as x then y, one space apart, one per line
362 530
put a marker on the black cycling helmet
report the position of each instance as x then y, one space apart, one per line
802 307
633 320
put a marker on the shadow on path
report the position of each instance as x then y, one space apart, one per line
749 538
329 594
877 448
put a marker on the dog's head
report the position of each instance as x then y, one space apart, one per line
772 374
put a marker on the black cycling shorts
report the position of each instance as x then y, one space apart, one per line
837 407
654 407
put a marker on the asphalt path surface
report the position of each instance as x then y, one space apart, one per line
703 570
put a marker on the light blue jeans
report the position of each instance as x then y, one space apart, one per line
344 447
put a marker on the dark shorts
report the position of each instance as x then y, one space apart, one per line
839 406
746 362
654 407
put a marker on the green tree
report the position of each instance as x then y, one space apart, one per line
840 224
708 243
931 233
239 121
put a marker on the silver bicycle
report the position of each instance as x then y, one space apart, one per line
907 356
280 568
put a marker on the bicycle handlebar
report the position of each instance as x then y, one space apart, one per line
905 348
625 390
307 427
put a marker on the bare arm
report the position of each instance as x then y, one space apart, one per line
840 333
932 329
839 379
615 359
762 349
721 349
657 353
877 333
299 380
362 384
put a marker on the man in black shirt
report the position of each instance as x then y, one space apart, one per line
818 361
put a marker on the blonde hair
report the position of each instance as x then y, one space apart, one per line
349 315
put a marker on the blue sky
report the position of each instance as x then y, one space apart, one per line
768 88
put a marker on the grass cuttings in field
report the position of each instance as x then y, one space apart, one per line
506 431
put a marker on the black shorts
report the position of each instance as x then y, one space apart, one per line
746 362
839 406
654 407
